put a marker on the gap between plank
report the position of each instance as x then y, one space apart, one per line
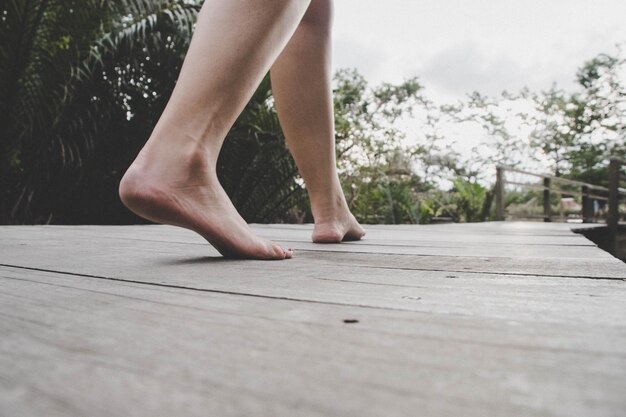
182 287
467 271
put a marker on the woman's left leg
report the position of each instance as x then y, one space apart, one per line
301 83
173 180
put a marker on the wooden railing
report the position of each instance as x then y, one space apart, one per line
613 194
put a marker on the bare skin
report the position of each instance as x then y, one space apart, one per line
173 179
301 84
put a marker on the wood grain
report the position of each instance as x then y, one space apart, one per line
149 321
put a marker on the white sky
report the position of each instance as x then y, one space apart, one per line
457 46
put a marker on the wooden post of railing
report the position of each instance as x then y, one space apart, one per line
587 205
547 210
499 194
613 219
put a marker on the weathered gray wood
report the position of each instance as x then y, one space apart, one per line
80 346
614 177
547 205
372 244
54 244
153 322
561 231
503 296
499 194
338 277
587 205
416 236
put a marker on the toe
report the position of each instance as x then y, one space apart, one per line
277 252
356 233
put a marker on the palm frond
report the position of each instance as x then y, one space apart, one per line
54 102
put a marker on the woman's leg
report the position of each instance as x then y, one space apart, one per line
301 83
173 180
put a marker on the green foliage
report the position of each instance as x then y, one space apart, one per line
76 79
575 134
83 82
471 200
598 118
467 201
378 169
386 201
255 167
375 165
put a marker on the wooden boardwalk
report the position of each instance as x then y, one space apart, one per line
492 319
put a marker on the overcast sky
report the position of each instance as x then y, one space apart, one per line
457 46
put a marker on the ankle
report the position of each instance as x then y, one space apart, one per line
329 207
163 155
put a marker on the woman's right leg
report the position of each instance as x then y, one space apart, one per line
173 180
302 87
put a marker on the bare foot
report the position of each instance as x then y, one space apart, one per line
180 187
336 228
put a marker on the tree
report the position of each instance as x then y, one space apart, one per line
375 164
83 82
70 75
552 133
598 117
255 166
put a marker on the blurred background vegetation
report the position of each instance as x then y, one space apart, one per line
82 83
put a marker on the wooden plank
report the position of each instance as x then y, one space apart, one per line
52 246
605 268
556 179
403 237
80 346
299 240
510 232
386 281
500 251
